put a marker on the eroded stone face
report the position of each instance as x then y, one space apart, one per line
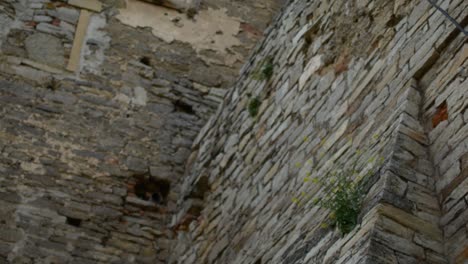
45 48
212 29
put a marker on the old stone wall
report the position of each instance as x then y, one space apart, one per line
445 113
90 161
352 81
104 165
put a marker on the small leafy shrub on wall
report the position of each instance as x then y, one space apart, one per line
343 197
264 70
254 105
344 192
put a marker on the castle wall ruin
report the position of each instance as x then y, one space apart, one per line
151 150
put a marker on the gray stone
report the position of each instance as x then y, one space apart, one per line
42 18
452 158
162 172
45 49
160 108
36 5
5 23
67 27
106 212
54 30
62 97
70 15
136 164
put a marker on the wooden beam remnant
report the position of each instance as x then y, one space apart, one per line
75 56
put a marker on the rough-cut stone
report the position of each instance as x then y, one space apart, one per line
46 49
68 14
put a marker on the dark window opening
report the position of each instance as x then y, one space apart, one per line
74 221
146 61
153 189
183 107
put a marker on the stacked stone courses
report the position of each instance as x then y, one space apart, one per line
385 78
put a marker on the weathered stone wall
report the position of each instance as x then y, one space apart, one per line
352 80
445 114
77 149
92 163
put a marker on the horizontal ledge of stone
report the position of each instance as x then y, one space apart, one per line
139 202
37 65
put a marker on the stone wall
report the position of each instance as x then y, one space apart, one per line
90 161
445 114
353 81
104 165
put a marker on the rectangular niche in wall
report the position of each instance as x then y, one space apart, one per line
152 189
74 221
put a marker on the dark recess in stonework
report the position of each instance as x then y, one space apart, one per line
201 187
181 106
153 189
73 221
146 61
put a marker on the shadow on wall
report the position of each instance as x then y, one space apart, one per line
150 189
181 5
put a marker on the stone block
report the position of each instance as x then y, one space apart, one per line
136 164
55 31
40 19
46 49
69 15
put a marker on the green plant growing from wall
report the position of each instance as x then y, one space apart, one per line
254 105
343 198
343 194
264 70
